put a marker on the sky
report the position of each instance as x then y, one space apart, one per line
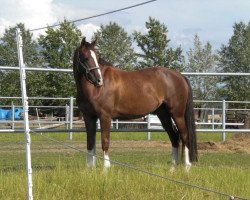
212 20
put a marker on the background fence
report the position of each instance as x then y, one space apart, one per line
67 118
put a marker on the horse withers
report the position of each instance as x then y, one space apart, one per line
105 92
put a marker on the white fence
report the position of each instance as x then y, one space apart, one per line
212 122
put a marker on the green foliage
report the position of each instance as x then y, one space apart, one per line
202 59
235 57
9 82
8 47
155 47
58 47
115 46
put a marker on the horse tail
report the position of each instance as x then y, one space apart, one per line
190 123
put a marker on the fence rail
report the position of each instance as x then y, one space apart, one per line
212 124
43 69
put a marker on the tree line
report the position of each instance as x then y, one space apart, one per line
139 50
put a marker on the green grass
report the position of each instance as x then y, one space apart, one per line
61 173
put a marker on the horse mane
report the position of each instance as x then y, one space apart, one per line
104 62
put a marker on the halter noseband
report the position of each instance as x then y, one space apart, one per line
86 67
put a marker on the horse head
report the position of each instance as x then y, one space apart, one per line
88 62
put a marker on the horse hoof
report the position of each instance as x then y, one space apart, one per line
91 161
188 167
172 169
90 165
107 165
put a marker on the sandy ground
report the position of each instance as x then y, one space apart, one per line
240 143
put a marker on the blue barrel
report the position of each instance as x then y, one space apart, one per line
3 114
18 114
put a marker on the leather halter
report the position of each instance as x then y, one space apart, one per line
86 67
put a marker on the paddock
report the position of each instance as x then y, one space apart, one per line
154 165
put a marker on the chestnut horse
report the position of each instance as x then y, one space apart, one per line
105 92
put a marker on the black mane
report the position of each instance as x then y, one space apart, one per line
104 62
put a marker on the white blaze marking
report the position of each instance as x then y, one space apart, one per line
91 159
92 53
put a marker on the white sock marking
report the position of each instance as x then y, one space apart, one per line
106 160
187 160
174 155
91 159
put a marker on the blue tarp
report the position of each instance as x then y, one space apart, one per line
6 114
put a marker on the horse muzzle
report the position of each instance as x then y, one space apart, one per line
99 82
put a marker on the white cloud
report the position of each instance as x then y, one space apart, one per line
32 13
36 14
88 30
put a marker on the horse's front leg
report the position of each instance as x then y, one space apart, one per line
105 122
90 123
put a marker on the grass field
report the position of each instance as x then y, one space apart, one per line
60 173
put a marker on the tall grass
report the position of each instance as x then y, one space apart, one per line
61 173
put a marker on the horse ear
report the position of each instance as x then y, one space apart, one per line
83 41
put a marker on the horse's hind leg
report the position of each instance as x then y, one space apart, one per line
165 118
182 128
90 123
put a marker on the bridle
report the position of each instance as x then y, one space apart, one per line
86 67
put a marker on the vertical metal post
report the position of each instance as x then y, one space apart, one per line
223 137
26 110
67 116
38 118
71 110
148 126
12 116
212 118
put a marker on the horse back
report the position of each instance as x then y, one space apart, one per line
143 91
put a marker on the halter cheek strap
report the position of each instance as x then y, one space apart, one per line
86 67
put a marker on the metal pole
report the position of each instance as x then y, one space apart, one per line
212 118
12 116
26 116
38 118
67 116
71 116
223 120
148 126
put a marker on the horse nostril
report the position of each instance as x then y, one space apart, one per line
99 81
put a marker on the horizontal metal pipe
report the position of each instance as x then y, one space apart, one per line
119 130
41 69
71 70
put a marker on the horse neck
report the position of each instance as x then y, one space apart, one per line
103 63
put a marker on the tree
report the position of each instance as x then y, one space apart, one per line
115 46
235 57
155 47
58 47
9 82
202 59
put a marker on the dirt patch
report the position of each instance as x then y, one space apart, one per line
239 143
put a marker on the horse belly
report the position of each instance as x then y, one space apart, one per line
137 105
